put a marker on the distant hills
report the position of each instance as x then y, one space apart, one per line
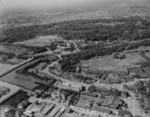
93 9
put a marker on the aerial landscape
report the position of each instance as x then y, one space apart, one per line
75 58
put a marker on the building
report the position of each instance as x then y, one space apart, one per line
55 94
68 86
19 112
63 95
24 104
147 104
103 110
112 101
138 71
89 94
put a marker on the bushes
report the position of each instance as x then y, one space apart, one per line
35 49
119 56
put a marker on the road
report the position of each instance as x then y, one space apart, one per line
75 45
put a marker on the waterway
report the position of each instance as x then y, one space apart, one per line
12 79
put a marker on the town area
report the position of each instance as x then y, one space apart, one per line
68 79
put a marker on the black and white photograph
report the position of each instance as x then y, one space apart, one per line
74 58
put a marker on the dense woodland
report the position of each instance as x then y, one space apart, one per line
121 30
133 28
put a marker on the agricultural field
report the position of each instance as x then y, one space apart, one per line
12 49
40 40
108 63
12 54
4 67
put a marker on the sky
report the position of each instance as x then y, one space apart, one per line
43 3
38 3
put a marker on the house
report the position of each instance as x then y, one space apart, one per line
137 71
89 94
82 103
100 100
112 101
63 95
117 102
146 70
34 108
86 101
124 94
116 81
55 94
147 103
24 104
103 110
69 86
31 70
47 109
19 112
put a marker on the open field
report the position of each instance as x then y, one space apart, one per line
109 64
40 40
4 67
12 49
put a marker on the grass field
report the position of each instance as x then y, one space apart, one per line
12 49
4 67
40 40
109 63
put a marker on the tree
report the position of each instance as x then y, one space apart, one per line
92 89
115 55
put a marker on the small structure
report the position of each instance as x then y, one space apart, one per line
24 104
147 104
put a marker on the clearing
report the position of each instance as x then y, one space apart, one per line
40 40
108 63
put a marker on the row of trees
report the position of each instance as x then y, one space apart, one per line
96 50
31 49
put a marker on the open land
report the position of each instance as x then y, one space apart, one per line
40 41
4 67
108 63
